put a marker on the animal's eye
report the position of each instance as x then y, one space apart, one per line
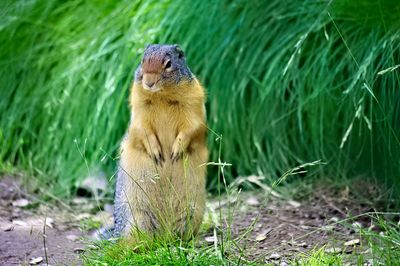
168 65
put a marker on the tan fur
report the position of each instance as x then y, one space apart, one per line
164 156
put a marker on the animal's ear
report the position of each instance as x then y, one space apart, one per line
138 75
147 46
179 50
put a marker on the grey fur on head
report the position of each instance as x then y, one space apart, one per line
155 55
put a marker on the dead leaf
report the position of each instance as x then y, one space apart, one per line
21 203
8 228
49 222
302 244
109 208
327 228
344 194
294 203
274 256
334 220
259 181
34 261
72 237
97 184
252 201
356 226
210 239
79 250
79 201
353 242
263 235
333 250
93 247
82 216
102 217
20 223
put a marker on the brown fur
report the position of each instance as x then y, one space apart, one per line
164 156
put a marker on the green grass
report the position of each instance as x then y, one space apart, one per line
377 247
66 69
296 81
289 82
384 246
319 257
158 254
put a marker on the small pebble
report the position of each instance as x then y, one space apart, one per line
210 239
72 238
21 203
334 220
20 223
333 250
352 242
252 201
294 203
109 208
302 244
49 222
83 216
328 227
263 235
79 250
356 226
93 247
34 261
8 228
274 256
79 201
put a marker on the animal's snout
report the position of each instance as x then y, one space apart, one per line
149 81
149 84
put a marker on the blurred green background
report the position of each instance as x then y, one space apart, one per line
289 82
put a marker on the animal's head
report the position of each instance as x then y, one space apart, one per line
161 67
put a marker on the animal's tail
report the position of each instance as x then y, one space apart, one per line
106 233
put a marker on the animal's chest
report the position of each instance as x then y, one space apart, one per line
166 118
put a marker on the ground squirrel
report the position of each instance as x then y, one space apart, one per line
161 178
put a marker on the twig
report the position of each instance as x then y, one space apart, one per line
330 204
44 241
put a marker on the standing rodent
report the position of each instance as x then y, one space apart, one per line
160 186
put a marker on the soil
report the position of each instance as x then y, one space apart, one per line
268 228
23 235
275 230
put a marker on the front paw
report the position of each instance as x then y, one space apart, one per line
175 156
177 151
157 157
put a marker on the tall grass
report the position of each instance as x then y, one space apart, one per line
288 82
66 69
296 81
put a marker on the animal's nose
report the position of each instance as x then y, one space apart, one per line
150 84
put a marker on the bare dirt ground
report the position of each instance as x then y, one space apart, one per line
23 236
268 228
275 230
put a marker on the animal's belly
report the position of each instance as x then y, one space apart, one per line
166 133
